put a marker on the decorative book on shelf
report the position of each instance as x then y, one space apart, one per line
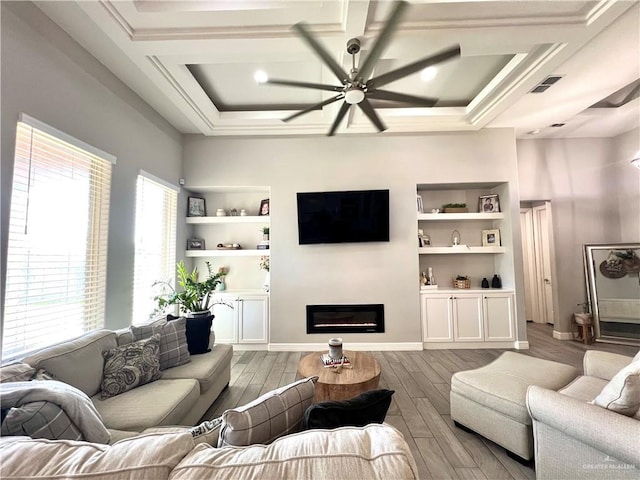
327 361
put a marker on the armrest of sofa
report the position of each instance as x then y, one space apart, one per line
606 431
604 364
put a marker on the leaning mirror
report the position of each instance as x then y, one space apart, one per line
613 288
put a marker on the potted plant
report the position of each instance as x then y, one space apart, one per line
455 208
196 297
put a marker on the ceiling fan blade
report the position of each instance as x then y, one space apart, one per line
317 86
341 113
381 42
322 53
313 107
401 97
397 74
368 110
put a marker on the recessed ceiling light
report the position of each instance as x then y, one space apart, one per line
429 73
534 132
261 76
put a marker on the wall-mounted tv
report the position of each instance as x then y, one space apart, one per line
341 217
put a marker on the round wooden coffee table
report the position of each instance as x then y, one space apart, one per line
365 375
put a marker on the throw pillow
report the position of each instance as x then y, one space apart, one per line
40 419
16 372
198 332
268 417
622 393
130 366
173 341
368 407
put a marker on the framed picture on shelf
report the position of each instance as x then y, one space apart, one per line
264 207
489 203
420 207
491 238
196 207
195 244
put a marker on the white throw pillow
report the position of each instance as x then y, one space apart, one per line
622 393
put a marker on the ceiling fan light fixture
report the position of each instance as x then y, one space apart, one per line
261 76
354 95
636 161
429 73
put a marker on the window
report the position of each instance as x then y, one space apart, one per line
155 255
57 251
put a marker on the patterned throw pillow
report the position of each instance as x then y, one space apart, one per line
270 416
174 350
16 372
130 366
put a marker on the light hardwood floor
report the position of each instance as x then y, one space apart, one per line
420 407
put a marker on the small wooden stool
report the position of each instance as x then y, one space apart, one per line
584 327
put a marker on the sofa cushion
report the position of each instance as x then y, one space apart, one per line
40 419
584 388
622 393
204 368
372 452
268 417
145 457
130 366
16 372
173 341
63 360
163 402
368 407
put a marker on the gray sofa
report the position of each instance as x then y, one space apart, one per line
576 439
180 397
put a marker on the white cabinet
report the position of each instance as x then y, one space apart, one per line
246 323
473 319
498 315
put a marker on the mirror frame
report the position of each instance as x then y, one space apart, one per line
592 292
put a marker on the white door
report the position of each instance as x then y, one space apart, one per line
498 317
437 323
225 323
542 230
253 315
537 254
467 318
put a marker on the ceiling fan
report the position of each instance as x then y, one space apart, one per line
356 87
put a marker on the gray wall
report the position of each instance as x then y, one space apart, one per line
354 273
48 76
595 198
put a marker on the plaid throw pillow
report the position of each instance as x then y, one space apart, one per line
174 350
270 416
130 366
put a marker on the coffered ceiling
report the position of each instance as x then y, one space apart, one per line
194 62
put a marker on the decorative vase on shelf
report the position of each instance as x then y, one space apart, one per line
267 282
221 286
496 282
485 283
455 238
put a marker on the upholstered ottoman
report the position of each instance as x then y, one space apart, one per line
491 400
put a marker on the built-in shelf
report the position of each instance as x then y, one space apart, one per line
226 253
459 250
460 216
228 219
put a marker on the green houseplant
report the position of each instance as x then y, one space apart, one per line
196 296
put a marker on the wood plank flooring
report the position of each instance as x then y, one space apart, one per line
420 407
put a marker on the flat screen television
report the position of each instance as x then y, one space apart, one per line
342 217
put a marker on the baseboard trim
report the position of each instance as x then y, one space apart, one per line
522 345
562 335
319 347
467 345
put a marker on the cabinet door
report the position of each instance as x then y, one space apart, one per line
437 325
225 323
253 315
467 318
499 317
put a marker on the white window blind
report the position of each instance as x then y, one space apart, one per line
155 248
57 251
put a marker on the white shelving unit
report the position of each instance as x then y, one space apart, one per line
227 220
460 216
227 253
459 250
